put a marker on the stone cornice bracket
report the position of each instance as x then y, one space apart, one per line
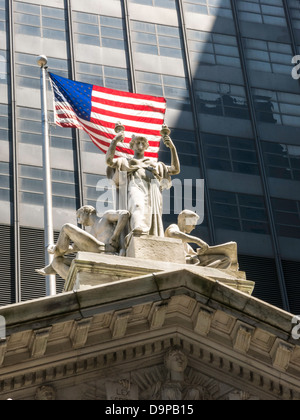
79 333
119 324
39 341
3 347
203 322
157 315
241 336
281 354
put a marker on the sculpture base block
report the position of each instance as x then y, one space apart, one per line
155 248
89 270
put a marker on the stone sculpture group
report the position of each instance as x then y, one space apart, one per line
142 216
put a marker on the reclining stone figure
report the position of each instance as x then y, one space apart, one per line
104 237
221 256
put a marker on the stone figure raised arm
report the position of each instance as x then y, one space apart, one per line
104 236
146 178
222 256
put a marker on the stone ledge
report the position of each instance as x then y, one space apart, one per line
210 294
89 270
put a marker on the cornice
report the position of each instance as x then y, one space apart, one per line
130 323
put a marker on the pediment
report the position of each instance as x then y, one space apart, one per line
153 384
236 346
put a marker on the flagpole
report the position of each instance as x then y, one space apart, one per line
48 216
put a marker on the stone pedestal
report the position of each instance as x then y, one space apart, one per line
157 249
89 270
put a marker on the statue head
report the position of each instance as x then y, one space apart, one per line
187 221
84 215
139 144
176 360
45 393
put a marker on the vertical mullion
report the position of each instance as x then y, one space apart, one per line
260 156
230 153
78 151
211 226
130 55
14 154
100 31
290 27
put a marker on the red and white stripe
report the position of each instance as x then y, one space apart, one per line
140 114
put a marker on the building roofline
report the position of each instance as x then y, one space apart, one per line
159 286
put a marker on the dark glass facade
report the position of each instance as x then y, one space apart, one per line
233 107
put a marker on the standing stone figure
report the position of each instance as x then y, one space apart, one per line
176 387
146 178
221 256
104 236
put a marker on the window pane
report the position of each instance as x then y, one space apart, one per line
87 29
157 39
262 11
245 212
54 23
27 8
85 18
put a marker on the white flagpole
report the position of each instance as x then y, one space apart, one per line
48 216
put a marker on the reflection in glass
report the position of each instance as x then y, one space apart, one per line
101 31
3 67
173 88
155 39
287 217
240 212
230 154
64 187
168 4
282 160
277 107
5 181
221 99
268 56
214 49
262 11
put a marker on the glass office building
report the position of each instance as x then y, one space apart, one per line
233 107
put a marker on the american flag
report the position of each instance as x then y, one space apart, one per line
96 110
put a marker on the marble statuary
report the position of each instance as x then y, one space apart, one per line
175 386
143 315
138 231
146 178
104 236
122 389
45 393
221 256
